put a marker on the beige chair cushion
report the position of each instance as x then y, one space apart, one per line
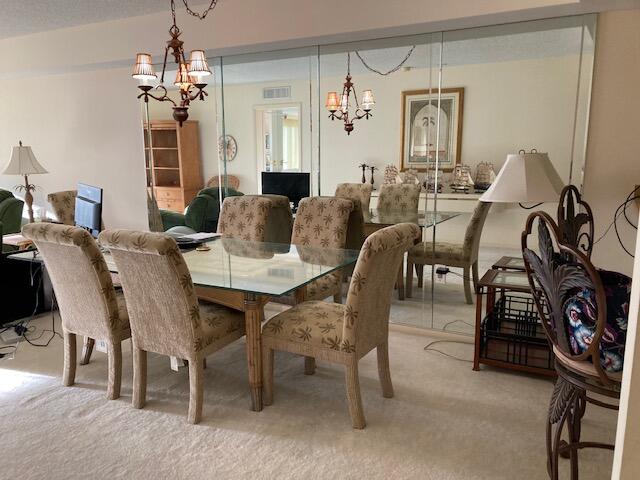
325 286
584 367
217 322
315 323
444 251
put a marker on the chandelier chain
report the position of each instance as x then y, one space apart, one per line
200 16
389 72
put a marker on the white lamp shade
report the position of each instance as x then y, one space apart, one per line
143 68
525 177
198 66
23 162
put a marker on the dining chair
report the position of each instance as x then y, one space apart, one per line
63 205
88 302
403 197
461 255
585 323
245 217
322 222
357 191
165 314
343 334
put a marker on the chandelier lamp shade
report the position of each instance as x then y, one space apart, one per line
340 106
189 76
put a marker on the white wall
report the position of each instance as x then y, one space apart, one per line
82 127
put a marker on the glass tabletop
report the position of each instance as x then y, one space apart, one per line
393 217
262 268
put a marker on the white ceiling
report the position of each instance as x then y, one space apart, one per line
22 17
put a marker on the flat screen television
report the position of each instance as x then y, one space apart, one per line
294 185
88 213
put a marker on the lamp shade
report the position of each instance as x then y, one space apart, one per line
143 68
183 78
198 66
525 177
367 100
333 102
23 162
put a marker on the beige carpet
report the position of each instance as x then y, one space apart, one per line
446 422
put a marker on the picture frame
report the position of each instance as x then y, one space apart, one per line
420 113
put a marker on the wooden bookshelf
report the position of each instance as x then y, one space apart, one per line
177 172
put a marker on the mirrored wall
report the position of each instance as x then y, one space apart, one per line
434 115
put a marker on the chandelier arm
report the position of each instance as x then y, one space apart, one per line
164 64
389 72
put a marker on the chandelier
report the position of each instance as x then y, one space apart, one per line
189 76
339 106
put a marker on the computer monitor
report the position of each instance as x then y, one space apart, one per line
294 185
88 213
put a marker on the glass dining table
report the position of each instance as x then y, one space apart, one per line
375 220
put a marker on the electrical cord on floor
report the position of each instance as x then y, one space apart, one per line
428 348
621 210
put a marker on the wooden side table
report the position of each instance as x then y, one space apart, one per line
509 334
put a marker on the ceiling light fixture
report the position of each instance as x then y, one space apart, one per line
189 77
339 106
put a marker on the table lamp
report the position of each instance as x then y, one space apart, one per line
23 162
525 177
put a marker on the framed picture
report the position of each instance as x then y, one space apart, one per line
422 141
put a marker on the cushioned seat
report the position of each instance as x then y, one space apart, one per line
326 286
424 251
585 367
217 322
315 323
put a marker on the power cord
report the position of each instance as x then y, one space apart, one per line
428 348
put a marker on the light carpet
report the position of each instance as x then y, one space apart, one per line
445 422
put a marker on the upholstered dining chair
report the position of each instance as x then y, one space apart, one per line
345 333
585 329
357 191
322 222
64 205
165 314
464 255
89 304
245 217
403 197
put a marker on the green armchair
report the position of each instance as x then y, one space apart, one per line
10 214
201 215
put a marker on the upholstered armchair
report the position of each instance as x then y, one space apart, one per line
356 191
323 222
402 197
64 206
343 334
464 255
89 304
201 215
10 215
165 314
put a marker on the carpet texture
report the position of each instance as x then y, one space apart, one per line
445 422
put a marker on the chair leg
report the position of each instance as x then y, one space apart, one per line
267 375
408 284
114 354
400 282
69 372
196 391
139 377
337 298
562 399
383 370
309 365
474 270
467 285
353 394
87 350
204 363
420 273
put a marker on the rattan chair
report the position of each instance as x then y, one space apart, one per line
555 274
464 255
345 333
89 304
232 181
165 315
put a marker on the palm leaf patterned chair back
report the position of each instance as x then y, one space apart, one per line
158 286
245 217
322 222
64 205
473 232
84 290
558 272
357 191
366 318
399 198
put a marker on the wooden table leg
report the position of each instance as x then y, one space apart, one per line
252 317
476 350
309 362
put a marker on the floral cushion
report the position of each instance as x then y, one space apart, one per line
581 312
315 323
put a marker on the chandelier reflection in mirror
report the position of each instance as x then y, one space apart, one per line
340 108
189 76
